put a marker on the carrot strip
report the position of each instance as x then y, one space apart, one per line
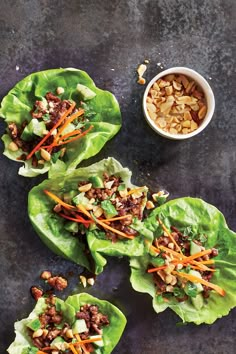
201 269
135 190
41 352
74 132
105 226
68 121
152 270
73 349
197 255
210 261
82 208
91 340
174 253
75 138
170 236
195 279
77 336
59 201
37 147
85 212
78 219
114 219
181 258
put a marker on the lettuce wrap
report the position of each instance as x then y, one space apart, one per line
197 217
53 229
101 120
111 333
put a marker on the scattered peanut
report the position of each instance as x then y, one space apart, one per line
69 333
60 90
150 205
91 281
12 146
176 104
83 281
141 70
45 155
85 187
38 333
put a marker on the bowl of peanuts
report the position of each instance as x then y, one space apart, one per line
178 103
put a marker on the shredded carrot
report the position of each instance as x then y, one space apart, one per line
73 349
170 236
47 348
68 121
200 268
181 258
195 279
75 138
152 270
77 219
114 219
197 255
210 261
105 226
153 248
82 208
37 147
77 336
59 201
85 212
74 132
135 190
86 341
172 252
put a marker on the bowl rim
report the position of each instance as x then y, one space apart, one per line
209 96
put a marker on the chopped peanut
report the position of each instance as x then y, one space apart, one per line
176 104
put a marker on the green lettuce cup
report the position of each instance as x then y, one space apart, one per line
86 244
197 220
32 108
55 324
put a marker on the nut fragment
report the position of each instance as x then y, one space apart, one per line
85 187
45 275
150 205
83 281
45 155
176 104
69 333
202 112
91 281
60 90
12 146
37 333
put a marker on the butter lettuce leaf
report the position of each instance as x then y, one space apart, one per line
50 227
111 335
106 117
203 218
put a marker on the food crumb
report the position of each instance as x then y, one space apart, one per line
141 70
112 69
17 68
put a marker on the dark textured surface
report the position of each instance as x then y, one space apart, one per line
109 39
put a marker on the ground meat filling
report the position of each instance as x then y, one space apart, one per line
94 319
168 284
49 111
129 205
53 326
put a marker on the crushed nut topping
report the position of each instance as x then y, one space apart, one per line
176 104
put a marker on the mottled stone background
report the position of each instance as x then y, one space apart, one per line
109 39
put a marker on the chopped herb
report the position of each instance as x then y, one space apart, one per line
191 289
178 292
46 117
55 156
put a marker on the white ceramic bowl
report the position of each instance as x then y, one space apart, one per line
209 96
